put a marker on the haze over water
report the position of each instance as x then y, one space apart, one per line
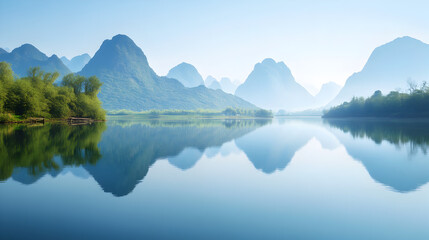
285 178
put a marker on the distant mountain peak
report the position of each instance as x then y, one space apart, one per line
121 37
64 59
185 64
209 80
271 85
76 63
120 54
26 56
327 92
388 68
186 74
215 85
30 51
227 85
268 61
406 39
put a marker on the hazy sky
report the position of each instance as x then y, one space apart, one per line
320 41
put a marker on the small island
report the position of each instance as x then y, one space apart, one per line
37 96
414 104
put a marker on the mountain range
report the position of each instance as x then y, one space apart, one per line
130 83
225 84
77 63
389 68
26 56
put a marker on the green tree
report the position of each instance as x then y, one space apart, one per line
92 86
36 95
6 81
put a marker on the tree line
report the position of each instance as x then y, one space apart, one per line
414 104
37 95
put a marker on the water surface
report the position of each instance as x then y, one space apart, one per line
287 178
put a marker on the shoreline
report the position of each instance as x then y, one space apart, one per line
53 120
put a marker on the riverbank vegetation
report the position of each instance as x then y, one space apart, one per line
414 104
37 96
228 113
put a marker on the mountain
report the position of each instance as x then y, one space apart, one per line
215 85
271 85
209 80
227 85
130 83
327 92
26 56
2 51
77 63
65 60
186 74
388 68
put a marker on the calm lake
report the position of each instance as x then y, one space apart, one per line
286 178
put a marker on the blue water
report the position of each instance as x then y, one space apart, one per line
302 178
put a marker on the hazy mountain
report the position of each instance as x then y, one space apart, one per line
212 83
26 56
209 80
77 63
227 85
327 92
271 85
186 74
215 85
388 68
130 83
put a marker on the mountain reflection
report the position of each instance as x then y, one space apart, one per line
271 148
29 152
118 155
397 156
130 148
120 158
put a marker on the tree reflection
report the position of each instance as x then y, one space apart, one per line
394 152
36 147
398 132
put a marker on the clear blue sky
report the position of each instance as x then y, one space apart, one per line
320 41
